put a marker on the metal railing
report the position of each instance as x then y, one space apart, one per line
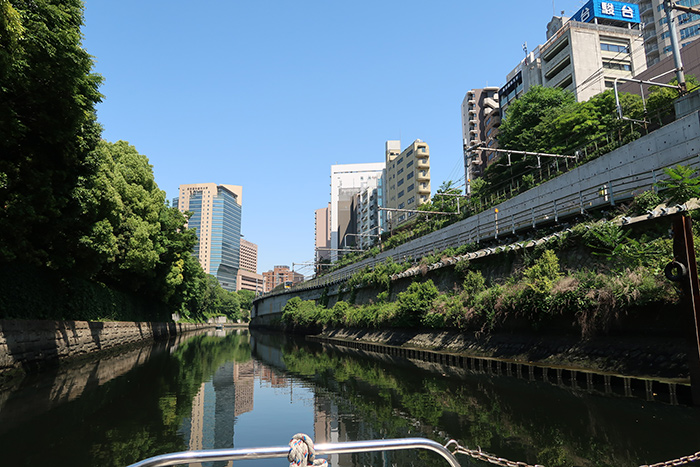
282 451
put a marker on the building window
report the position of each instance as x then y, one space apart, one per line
400 171
401 206
690 32
409 175
614 48
400 194
687 18
422 149
611 65
410 187
409 163
400 182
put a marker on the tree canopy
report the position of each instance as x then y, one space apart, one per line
70 201
47 126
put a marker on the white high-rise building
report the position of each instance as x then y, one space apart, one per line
346 181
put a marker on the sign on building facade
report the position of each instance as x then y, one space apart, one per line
607 10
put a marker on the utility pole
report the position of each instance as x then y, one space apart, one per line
669 6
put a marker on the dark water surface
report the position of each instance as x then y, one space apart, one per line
241 390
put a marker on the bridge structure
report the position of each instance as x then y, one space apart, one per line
605 181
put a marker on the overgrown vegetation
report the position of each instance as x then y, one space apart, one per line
624 274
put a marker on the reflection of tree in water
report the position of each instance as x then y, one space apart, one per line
129 418
522 421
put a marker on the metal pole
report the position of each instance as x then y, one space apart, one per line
668 6
684 252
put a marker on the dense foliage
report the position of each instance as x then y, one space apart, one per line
624 275
78 209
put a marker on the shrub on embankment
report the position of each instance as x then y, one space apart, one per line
621 277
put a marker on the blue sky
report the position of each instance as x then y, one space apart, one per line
268 94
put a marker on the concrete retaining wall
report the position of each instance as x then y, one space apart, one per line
33 342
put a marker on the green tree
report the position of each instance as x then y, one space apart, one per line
449 202
229 305
47 128
660 101
136 231
519 129
246 298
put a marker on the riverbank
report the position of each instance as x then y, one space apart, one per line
28 344
643 357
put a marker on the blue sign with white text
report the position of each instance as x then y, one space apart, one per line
618 11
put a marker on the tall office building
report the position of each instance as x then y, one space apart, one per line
656 33
407 180
346 181
248 277
216 216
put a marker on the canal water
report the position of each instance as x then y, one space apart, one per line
237 389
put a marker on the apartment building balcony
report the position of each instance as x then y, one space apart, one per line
650 35
422 175
491 102
644 7
423 189
652 47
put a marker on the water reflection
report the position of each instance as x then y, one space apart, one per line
362 396
240 390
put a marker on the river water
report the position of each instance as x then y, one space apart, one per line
237 389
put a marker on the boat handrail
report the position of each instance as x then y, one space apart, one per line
349 447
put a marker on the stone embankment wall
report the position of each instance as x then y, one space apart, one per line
632 355
26 343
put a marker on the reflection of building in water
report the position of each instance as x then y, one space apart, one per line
224 412
197 421
244 378
326 427
268 375
332 427
216 406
